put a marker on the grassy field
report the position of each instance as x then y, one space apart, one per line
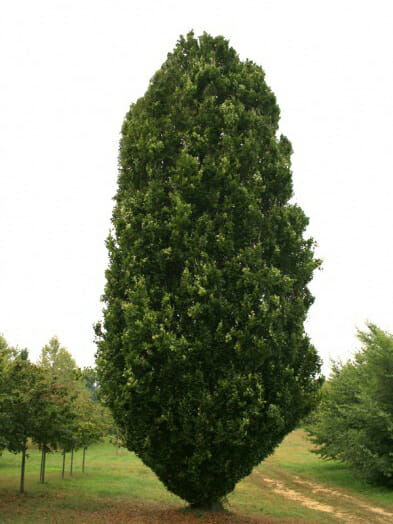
292 486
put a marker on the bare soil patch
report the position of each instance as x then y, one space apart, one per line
319 497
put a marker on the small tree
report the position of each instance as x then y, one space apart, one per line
5 359
202 354
354 421
91 422
67 440
20 405
56 415
59 362
58 411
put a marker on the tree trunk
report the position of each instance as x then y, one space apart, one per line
72 459
64 457
22 473
208 506
42 462
83 460
43 467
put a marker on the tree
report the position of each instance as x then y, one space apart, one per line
59 361
67 439
58 411
21 404
55 416
202 353
354 421
92 423
5 357
5 354
116 437
77 420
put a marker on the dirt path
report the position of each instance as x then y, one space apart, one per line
333 502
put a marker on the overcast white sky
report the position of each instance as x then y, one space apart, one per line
68 73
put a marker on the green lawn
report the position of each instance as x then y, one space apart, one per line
118 488
295 456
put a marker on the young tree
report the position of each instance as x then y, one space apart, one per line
20 405
56 415
59 361
91 423
202 354
67 442
58 411
354 421
5 357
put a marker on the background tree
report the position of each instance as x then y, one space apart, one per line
78 420
20 405
91 423
5 354
59 361
59 412
68 440
354 421
56 415
202 354
116 436
90 380
5 358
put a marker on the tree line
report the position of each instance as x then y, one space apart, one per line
50 403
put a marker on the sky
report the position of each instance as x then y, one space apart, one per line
69 71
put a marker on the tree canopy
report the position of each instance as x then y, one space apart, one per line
202 353
59 361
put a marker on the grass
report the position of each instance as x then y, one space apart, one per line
110 477
118 488
295 456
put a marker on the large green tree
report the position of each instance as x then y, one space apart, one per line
202 353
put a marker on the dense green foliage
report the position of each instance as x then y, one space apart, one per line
16 408
202 354
354 422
